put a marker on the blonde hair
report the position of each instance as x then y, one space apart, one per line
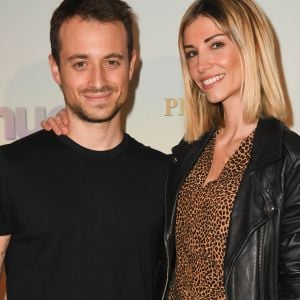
247 26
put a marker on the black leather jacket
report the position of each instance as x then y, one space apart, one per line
262 259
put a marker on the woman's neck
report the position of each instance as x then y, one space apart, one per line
235 127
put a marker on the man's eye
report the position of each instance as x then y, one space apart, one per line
79 65
113 63
190 54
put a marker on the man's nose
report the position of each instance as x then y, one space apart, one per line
97 77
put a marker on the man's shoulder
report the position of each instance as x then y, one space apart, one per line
139 150
29 144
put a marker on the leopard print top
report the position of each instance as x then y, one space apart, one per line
202 222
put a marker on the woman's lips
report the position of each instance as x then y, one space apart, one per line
209 82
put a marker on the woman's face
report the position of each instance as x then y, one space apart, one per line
213 60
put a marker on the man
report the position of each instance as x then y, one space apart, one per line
92 228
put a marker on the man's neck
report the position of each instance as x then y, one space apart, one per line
96 136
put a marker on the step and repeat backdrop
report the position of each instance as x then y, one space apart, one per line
154 110
155 106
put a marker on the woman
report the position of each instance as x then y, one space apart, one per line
235 187
233 218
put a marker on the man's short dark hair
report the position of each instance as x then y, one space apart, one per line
99 10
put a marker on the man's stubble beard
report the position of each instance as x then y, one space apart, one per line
83 115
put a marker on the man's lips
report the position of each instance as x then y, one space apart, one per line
97 96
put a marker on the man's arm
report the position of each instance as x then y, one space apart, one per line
4 242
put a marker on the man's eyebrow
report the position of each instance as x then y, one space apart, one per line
78 56
206 40
84 56
114 55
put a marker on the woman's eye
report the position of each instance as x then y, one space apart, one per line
190 54
217 45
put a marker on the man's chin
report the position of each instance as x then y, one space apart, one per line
94 118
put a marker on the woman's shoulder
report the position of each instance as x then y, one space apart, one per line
291 141
274 140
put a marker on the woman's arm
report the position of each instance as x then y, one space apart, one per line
59 124
289 254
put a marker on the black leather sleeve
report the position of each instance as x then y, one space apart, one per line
289 254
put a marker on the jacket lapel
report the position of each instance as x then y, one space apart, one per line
250 207
185 160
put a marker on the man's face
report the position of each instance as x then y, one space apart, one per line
94 69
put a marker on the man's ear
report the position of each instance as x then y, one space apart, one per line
54 69
132 64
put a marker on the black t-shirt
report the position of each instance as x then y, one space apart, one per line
85 224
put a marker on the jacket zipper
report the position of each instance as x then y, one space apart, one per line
245 242
239 251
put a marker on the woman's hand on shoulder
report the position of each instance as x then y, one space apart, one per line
59 124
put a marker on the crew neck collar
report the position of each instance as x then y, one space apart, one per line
101 153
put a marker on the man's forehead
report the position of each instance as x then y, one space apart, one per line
91 37
78 21
78 29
